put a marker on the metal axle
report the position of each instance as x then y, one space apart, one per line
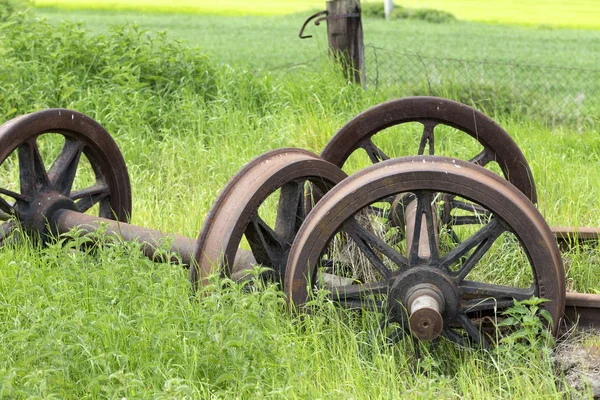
180 249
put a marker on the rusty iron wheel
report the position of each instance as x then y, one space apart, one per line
45 184
431 112
235 213
418 271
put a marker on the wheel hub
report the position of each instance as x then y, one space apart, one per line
37 214
424 298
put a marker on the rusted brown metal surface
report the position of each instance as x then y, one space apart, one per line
83 137
235 212
582 309
425 290
425 177
431 112
156 245
567 235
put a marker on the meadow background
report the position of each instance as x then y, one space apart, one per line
189 99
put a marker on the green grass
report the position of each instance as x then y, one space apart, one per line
249 39
539 72
229 7
556 13
104 322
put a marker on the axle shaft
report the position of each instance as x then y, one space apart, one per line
152 241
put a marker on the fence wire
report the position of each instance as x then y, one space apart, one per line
556 95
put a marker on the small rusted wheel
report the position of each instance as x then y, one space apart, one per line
238 212
491 144
59 158
427 283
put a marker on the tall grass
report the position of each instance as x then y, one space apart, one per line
104 322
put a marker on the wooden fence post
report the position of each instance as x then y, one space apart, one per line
345 36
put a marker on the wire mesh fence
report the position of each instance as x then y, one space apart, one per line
556 95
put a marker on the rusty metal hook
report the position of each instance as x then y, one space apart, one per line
310 19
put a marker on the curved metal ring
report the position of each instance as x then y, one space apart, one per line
111 190
235 212
432 111
510 212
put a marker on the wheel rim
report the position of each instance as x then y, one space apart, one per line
511 214
235 212
83 140
431 112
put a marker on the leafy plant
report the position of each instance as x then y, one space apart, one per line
528 323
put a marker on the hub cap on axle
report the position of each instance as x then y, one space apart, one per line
425 299
37 216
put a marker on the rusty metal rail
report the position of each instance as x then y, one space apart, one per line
569 235
582 309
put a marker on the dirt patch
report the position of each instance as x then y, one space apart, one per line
578 359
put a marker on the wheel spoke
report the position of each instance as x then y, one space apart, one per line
360 296
363 304
97 189
479 252
413 251
483 158
472 330
466 220
367 241
90 196
487 290
434 256
424 200
5 229
6 209
488 233
427 137
14 195
353 292
268 249
374 152
475 208
63 170
32 173
478 305
290 211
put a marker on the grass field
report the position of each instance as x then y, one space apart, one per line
492 65
555 13
104 322
229 7
249 40
574 13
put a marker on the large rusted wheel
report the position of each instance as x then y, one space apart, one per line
59 158
491 145
237 212
427 283
496 145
